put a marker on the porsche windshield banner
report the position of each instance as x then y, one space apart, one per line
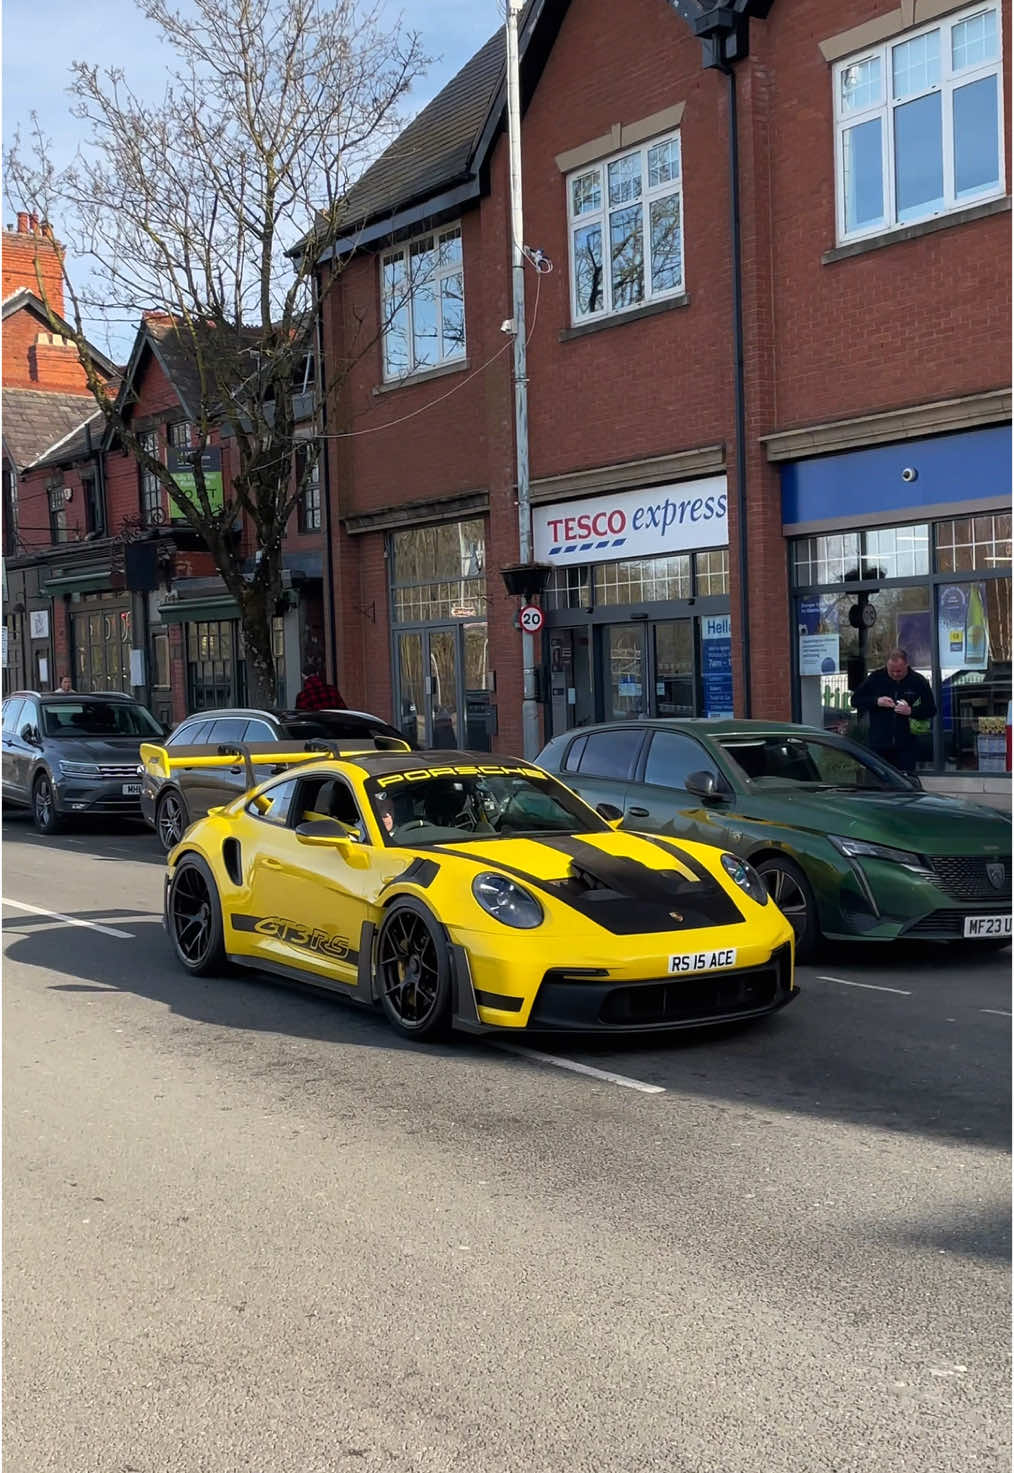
633 524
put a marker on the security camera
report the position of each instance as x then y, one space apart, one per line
507 325
910 473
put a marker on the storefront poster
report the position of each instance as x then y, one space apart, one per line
913 631
818 614
716 665
962 627
819 654
633 524
38 623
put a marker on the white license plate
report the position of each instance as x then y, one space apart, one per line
703 961
987 926
132 790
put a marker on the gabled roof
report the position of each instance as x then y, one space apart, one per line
83 440
438 161
25 300
34 422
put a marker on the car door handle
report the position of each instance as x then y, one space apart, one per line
638 812
273 864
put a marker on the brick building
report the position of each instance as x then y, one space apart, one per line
125 595
872 505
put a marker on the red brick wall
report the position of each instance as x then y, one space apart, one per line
33 359
22 247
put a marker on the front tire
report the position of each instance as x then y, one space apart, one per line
44 813
790 890
194 916
171 820
413 971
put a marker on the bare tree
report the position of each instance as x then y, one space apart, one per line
190 208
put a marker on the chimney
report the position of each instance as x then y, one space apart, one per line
23 249
22 222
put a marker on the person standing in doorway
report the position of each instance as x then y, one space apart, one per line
317 693
66 685
890 698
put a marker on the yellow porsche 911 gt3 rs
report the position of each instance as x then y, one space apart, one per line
452 889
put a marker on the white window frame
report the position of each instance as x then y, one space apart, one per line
403 253
887 106
601 217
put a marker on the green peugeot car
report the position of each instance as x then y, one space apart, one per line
848 847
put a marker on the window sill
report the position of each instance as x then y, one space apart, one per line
460 365
913 232
617 319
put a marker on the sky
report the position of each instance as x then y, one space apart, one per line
40 41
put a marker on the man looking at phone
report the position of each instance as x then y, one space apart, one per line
891 697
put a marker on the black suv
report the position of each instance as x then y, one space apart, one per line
170 804
66 755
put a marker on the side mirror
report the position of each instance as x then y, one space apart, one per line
703 785
29 734
328 833
612 815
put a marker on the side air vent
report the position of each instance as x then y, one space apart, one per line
232 860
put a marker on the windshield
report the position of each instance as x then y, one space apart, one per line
796 761
441 810
86 718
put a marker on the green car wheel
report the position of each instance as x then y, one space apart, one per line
790 890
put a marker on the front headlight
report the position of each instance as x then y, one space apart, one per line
861 849
79 769
746 877
507 902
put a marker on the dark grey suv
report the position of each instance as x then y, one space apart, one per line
67 755
171 804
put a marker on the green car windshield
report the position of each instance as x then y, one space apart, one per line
444 810
779 761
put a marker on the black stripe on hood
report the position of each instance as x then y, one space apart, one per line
622 895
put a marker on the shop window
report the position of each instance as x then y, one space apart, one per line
919 125
854 557
647 580
568 588
423 304
711 572
974 634
973 544
150 488
611 753
626 230
438 572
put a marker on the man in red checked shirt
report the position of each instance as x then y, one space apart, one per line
317 694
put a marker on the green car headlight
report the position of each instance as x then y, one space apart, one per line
746 877
507 902
862 849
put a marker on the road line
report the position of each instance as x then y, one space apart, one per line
995 1012
54 915
869 986
604 1074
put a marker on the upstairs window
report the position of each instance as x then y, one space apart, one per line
94 520
919 125
150 487
423 304
308 513
57 499
626 230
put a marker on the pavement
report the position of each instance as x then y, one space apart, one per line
246 1227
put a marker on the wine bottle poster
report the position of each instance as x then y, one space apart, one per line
962 627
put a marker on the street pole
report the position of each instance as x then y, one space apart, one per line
529 706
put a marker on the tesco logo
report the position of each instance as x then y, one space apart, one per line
577 529
638 523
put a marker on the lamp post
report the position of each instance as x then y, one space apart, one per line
529 706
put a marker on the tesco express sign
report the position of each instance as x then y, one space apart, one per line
633 524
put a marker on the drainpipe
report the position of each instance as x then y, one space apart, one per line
325 485
740 383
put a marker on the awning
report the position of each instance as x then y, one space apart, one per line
83 582
194 610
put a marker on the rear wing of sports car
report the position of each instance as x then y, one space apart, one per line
162 761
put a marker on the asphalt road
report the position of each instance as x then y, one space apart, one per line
246 1227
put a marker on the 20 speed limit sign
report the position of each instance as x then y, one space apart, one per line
532 619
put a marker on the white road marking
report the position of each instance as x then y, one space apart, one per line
604 1074
995 1012
869 986
54 915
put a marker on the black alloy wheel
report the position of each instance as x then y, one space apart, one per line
194 914
47 820
171 820
790 890
413 971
